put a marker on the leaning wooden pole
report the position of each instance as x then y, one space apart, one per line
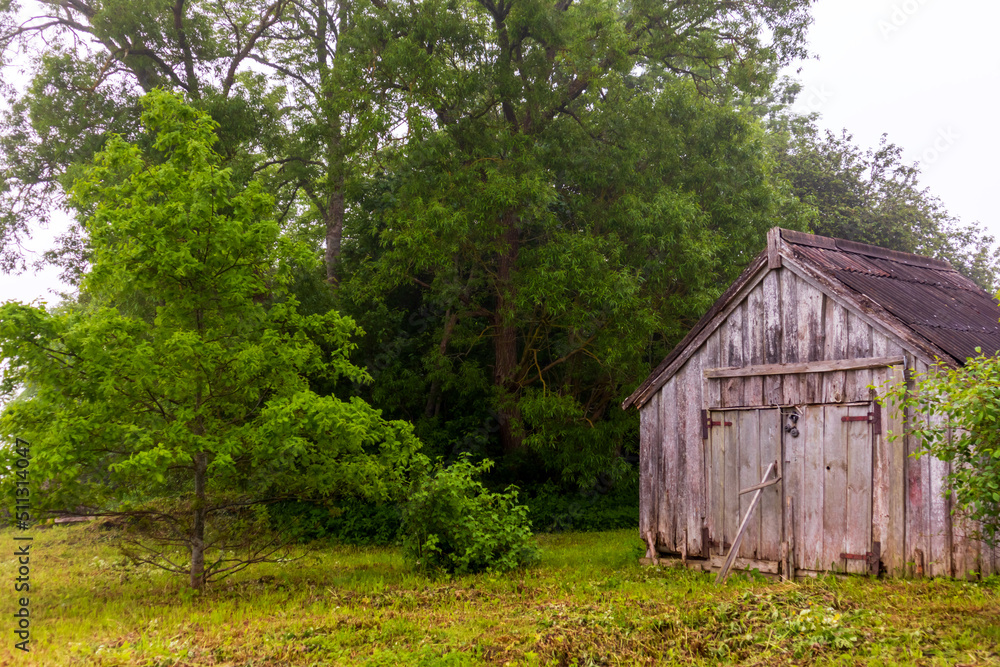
733 550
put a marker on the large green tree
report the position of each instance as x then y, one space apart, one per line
281 77
178 393
553 190
580 183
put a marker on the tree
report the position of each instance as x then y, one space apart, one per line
958 413
873 196
530 175
579 185
90 62
177 394
297 128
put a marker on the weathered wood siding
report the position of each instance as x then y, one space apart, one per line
782 318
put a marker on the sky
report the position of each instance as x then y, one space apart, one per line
927 74
924 72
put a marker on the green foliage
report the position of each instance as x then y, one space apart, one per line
553 511
179 389
341 521
451 522
958 421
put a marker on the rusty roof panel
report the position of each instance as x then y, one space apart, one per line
935 301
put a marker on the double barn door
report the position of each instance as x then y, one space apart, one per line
822 506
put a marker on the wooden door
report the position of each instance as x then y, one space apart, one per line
828 478
742 443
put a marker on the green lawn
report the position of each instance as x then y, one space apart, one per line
587 603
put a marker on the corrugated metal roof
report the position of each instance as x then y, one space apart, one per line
934 300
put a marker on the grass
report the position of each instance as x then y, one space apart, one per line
587 603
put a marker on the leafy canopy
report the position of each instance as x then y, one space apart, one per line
178 388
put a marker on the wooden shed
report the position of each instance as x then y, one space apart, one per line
784 369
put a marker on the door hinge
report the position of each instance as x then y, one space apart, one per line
707 423
874 417
871 558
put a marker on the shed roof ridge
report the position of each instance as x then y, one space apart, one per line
848 246
882 274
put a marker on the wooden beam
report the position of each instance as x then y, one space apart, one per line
763 485
804 367
774 248
761 565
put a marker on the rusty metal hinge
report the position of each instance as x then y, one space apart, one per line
871 558
874 417
707 423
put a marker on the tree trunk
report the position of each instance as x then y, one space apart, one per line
198 531
334 228
505 338
333 209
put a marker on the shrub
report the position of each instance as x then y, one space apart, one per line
552 510
345 521
453 523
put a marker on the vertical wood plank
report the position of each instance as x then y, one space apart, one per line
880 485
771 297
792 475
810 515
712 392
732 388
835 437
939 513
859 335
960 548
858 517
695 507
731 476
680 483
713 359
649 455
711 399
749 472
771 498
753 345
917 489
717 481
790 392
892 420
668 466
834 347
811 338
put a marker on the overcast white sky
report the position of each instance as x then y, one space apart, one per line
926 72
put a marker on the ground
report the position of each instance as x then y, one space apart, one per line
587 603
